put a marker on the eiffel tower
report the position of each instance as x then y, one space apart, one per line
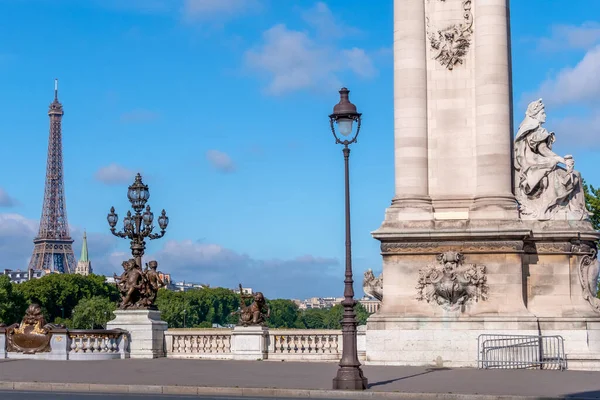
53 248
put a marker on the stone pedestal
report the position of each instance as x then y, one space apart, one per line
459 257
146 332
249 342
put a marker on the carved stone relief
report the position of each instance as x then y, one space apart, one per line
436 247
451 44
452 284
588 277
373 286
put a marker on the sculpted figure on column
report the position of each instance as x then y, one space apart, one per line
544 187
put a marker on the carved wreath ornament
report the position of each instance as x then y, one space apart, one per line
451 44
588 274
452 284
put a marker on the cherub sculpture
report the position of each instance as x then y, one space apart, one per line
138 287
256 313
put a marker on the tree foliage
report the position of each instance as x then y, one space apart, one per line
330 318
58 294
93 313
202 306
12 303
592 201
83 302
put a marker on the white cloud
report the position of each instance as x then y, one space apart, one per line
220 161
207 263
295 277
326 25
582 131
359 62
16 241
139 115
114 174
580 83
566 37
293 60
194 10
574 87
6 200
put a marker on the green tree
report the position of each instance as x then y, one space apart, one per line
58 294
284 313
93 313
202 307
592 201
314 318
12 303
335 315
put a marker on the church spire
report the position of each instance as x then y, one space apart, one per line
84 266
84 249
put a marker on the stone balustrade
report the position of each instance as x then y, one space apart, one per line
97 344
65 344
198 343
281 344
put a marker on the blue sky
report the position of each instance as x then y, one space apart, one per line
222 106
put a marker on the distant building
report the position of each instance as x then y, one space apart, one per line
370 304
19 276
84 266
184 286
247 291
318 302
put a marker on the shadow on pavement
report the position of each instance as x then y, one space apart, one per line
427 371
594 394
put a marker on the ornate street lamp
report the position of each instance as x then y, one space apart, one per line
138 226
349 375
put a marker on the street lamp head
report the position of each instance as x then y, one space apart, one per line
138 194
127 221
163 220
112 218
148 217
344 115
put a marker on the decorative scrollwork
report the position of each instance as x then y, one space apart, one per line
452 43
588 277
451 284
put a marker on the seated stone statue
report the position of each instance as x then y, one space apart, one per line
545 189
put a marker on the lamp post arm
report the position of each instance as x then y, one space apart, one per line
153 236
119 233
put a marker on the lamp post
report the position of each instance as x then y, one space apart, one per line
184 318
349 375
138 226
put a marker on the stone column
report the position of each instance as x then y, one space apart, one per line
494 198
410 105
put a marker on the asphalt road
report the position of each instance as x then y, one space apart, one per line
16 395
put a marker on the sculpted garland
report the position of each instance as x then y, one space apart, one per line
452 284
451 44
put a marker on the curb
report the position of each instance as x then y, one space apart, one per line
254 392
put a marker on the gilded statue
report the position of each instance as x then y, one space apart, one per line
256 313
547 185
32 335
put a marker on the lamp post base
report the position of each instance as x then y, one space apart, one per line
350 378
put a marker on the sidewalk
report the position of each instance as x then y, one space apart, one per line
288 379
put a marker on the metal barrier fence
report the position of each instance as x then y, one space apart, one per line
521 352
